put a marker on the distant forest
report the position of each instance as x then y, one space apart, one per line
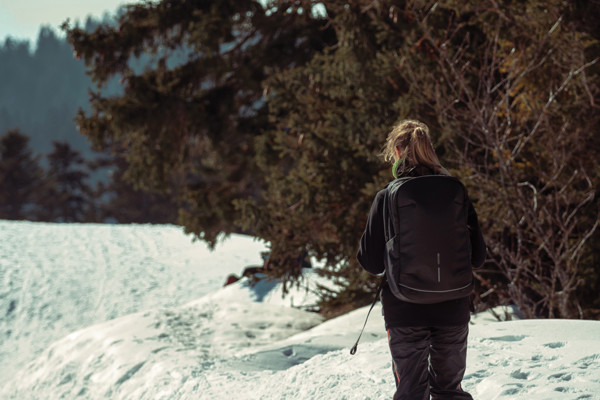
41 90
48 170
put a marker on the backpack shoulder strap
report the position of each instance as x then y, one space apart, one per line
391 206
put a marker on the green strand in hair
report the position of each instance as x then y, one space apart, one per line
395 167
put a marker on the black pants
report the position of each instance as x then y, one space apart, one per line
429 360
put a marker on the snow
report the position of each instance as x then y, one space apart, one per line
56 278
79 330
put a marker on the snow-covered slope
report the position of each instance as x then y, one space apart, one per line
243 342
57 278
219 348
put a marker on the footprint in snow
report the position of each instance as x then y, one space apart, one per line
508 338
562 376
555 345
477 376
482 373
544 358
587 362
514 389
518 374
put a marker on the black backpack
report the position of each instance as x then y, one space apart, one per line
428 247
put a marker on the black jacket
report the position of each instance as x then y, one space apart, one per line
398 313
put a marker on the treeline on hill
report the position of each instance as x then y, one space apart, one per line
48 171
62 193
274 123
42 89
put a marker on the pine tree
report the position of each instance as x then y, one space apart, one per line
120 201
189 127
20 176
66 194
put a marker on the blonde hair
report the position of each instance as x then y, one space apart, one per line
412 139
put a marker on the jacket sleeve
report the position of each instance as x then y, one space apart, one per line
478 248
372 243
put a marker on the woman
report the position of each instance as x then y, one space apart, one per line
428 342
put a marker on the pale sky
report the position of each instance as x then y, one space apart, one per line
22 19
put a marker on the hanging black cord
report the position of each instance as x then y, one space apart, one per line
355 347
